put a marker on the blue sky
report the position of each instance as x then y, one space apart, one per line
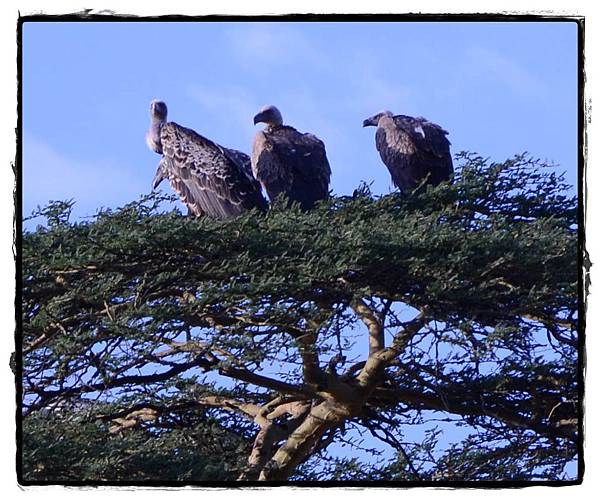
498 88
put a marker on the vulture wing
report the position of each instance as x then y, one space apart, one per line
288 162
208 179
244 163
416 152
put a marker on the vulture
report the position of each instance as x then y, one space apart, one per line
210 179
286 161
415 150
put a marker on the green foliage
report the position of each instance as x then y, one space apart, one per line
75 447
141 305
486 238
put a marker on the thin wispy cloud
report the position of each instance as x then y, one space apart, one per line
375 92
505 70
373 83
361 76
255 45
226 102
51 175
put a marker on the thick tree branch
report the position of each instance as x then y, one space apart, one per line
313 374
199 361
271 432
137 414
373 322
129 282
371 372
301 442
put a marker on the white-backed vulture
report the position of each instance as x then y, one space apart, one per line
415 151
286 161
210 179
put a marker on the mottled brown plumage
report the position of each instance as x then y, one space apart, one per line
288 162
415 150
210 179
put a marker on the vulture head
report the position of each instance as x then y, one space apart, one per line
269 115
158 116
158 110
374 120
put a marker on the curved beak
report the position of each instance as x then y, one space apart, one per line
259 118
369 122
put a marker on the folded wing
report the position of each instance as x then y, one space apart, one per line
210 179
295 164
416 151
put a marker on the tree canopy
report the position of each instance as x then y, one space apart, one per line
414 338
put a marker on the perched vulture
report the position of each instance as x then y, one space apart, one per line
415 151
210 179
288 162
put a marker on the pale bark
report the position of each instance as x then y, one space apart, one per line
342 398
270 433
303 440
374 325
334 400
376 363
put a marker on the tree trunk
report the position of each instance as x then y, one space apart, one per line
303 440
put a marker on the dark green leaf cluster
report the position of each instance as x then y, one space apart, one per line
78 447
502 234
146 306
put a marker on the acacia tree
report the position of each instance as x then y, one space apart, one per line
271 339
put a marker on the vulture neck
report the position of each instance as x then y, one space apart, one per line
272 127
385 121
153 136
157 120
